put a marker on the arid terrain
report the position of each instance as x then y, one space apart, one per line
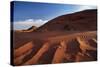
67 38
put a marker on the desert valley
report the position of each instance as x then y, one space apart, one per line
67 38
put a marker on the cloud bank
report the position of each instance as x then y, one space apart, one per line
80 8
28 23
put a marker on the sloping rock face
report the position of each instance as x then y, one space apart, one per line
80 21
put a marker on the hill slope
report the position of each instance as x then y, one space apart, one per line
79 21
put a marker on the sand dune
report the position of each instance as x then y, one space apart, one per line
59 54
70 48
23 49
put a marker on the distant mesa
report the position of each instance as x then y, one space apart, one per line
31 29
80 21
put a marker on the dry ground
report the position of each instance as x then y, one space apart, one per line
54 47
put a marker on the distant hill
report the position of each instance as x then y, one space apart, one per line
31 29
80 21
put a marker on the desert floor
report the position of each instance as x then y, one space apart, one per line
54 47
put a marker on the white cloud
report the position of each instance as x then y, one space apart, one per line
28 23
85 7
81 8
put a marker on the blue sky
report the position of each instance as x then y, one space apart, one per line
27 14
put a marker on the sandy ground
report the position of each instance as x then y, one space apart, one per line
54 47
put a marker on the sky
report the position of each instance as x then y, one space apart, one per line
27 14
